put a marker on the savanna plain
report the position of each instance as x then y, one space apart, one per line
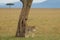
46 21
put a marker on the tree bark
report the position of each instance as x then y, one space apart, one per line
23 18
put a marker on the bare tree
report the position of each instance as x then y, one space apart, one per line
23 18
9 4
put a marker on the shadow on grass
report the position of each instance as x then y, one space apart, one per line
49 37
18 38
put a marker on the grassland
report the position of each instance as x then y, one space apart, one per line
47 22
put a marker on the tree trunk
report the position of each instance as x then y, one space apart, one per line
23 18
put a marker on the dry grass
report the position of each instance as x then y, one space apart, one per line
47 22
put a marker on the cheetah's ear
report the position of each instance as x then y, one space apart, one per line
33 26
